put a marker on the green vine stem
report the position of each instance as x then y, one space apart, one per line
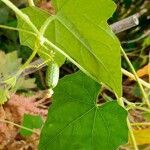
21 15
38 43
145 98
39 39
31 3
12 80
31 56
132 135
24 66
121 102
67 56
133 106
28 21
17 29
19 126
125 72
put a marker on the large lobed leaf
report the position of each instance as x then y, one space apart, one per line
80 29
76 122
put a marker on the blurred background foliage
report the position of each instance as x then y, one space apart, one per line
135 41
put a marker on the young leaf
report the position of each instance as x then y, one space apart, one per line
75 121
79 28
32 122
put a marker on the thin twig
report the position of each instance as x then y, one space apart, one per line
132 135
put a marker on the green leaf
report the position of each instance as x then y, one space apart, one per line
38 17
76 122
80 29
4 95
32 122
146 42
23 83
146 116
9 65
4 15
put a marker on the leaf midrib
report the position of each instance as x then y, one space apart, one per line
88 48
73 121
